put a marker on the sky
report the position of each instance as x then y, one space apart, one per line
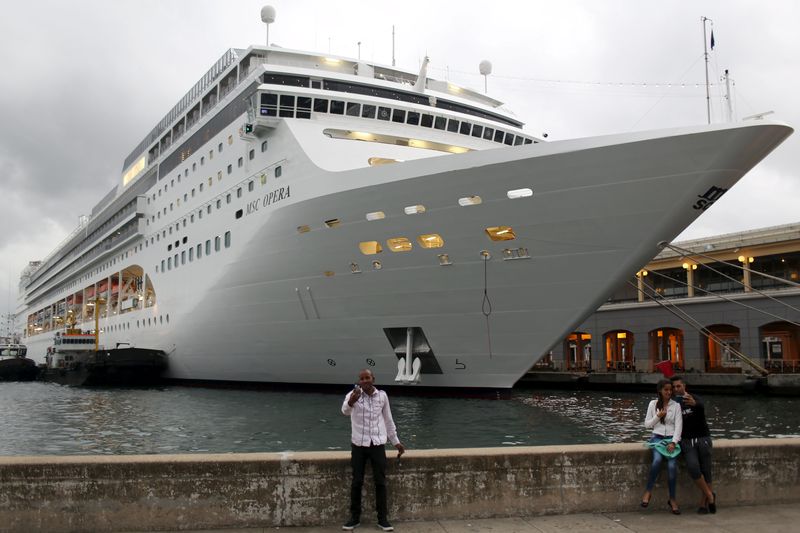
84 81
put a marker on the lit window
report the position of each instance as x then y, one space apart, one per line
469 200
398 244
501 233
303 229
329 273
520 193
370 247
263 178
414 209
332 223
431 240
376 215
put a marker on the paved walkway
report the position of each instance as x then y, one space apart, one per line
771 518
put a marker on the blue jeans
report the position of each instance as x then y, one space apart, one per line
655 468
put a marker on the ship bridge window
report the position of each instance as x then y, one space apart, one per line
488 133
412 118
269 107
399 116
517 140
465 128
303 107
287 106
337 107
426 121
368 111
439 123
452 125
477 131
353 109
509 139
498 136
384 113
320 105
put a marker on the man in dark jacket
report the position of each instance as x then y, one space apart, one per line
696 443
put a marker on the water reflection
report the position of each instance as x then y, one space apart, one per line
45 418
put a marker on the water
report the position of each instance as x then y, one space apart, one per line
49 419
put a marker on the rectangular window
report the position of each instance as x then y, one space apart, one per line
191 254
488 133
278 171
219 175
199 251
498 136
230 169
264 146
162 265
269 106
452 125
228 198
239 214
208 247
399 116
517 140
250 186
202 160
176 260
320 105
303 107
251 155
219 148
183 257
169 263
216 243
465 128
287 106
426 121
412 118
353 109
239 192
509 139
439 123
368 111
227 239
477 131
384 113
240 162
337 107
219 204
201 187
208 209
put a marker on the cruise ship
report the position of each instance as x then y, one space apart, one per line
297 217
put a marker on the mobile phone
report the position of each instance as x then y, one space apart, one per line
678 398
357 387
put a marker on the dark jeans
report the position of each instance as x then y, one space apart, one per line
655 468
376 455
698 457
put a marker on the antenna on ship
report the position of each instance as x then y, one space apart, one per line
267 17
705 53
392 44
485 68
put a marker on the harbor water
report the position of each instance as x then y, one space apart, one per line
49 419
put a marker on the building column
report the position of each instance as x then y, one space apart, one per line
690 268
640 284
745 261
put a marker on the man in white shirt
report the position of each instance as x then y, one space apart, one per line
371 425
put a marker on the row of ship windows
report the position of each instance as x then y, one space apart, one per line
430 240
240 163
419 208
290 106
174 261
160 319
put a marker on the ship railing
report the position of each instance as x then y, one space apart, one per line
783 367
84 221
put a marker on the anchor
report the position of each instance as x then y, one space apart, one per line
408 370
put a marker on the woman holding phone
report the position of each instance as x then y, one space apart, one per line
665 419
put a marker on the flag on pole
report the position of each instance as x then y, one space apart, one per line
712 39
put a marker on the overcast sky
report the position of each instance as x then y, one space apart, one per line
84 81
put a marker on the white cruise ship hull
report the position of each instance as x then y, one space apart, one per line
283 306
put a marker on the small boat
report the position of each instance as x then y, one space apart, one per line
76 359
14 366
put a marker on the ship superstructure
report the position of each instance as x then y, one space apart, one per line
297 217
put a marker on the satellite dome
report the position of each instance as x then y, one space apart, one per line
485 67
267 14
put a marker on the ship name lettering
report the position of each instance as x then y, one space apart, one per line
276 196
252 207
707 200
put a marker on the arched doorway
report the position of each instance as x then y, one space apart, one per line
666 344
720 358
619 350
578 351
780 346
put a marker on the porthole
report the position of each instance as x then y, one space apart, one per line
376 215
399 244
519 193
469 200
377 265
501 233
370 247
414 209
431 240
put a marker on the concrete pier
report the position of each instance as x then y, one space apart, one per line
195 492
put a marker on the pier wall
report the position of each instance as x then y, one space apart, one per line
174 492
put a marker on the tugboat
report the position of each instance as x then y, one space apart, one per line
14 366
75 358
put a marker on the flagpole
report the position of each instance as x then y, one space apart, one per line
705 53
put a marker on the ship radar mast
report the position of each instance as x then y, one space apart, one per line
485 68
267 17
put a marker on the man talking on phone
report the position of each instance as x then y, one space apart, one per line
371 425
